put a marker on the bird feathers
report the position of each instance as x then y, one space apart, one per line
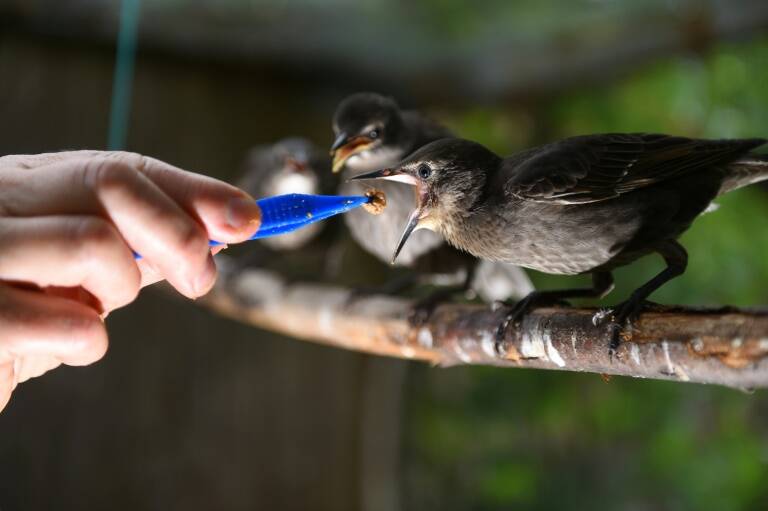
592 168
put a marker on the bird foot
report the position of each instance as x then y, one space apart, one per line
522 307
621 316
422 310
392 287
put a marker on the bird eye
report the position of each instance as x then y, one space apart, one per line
424 171
373 134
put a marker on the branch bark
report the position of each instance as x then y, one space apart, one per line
719 346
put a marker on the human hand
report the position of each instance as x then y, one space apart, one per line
68 222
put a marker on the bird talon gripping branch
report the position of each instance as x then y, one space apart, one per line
599 317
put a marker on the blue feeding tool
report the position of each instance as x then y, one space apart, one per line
285 213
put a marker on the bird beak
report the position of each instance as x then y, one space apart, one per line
418 214
412 225
390 175
295 164
345 146
340 141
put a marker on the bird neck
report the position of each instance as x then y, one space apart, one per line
456 209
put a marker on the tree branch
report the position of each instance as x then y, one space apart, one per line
723 346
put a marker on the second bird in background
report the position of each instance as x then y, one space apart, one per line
372 132
291 165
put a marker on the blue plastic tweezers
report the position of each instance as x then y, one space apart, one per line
285 213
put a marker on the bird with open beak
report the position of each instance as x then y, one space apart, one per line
585 204
373 132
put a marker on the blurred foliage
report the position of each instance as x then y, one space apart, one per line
485 438
722 95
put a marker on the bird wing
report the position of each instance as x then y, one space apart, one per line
598 167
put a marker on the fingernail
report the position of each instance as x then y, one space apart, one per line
243 213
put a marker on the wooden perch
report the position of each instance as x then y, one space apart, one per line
724 346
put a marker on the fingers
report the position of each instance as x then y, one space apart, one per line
30 161
151 223
68 222
71 252
7 383
38 332
20 370
34 324
228 214
154 226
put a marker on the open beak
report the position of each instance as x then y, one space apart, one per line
345 146
390 175
412 225
418 214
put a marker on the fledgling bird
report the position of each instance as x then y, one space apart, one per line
291 165
585 204
373 132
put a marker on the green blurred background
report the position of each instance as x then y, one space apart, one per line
190 410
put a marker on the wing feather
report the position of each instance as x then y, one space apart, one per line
599 167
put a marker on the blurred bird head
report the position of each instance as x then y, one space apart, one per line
449 176
367 127
295 154
286 166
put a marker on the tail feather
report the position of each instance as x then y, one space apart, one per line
751 169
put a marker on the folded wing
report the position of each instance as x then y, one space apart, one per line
599 167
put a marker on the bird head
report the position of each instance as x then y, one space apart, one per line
294 155
291 168
448 175
365 124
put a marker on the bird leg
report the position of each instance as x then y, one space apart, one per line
602 284
393 286
677 260
424 307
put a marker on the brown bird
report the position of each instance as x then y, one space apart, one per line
586 204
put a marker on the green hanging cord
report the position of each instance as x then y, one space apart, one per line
123 79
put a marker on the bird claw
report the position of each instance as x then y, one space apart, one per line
422 310
518 311
420 314
390 288
599 317
356 294
621 316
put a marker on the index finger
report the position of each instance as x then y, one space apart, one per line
228 214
